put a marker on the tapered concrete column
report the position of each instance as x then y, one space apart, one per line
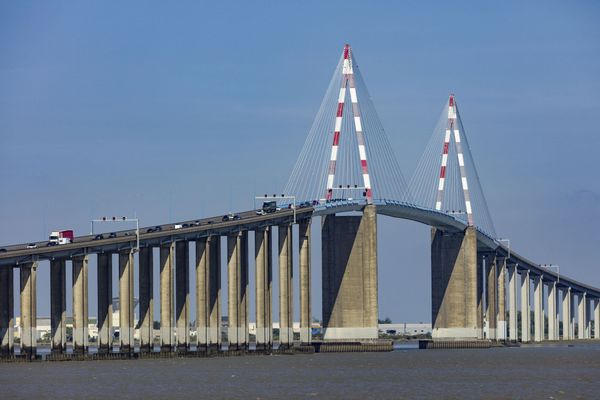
126 326
552 311
525 307
28 273
501 332
80 304
454 285
208 292
567 314
286 323
581 318
6 312
146 295
233 289
58 306
349 284
182 295
588 317
263 255
596 318
512 297
305 309
491 309
538 309
244 334
105 308
167 256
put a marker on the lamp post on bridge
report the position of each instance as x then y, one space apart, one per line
120 219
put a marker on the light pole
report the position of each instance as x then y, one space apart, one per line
120 219
275 197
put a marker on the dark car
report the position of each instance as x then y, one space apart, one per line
185 225
149 230
51 244
157 228
99 237
2 250
197 223
112 235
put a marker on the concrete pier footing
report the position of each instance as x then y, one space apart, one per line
454 287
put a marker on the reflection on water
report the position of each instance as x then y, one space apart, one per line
558 372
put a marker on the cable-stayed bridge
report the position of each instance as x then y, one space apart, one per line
346 174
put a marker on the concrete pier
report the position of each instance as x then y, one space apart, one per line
597 318
208 292
167 256
501 332
233 289
286 304
567 332
491 310
182 295
525 307
454 287
146 299
349 260
538 310
80 304
263 257
581 317
105 308
28 278
244 305
305 308
512 294
58 306
552 311
126 326
7 344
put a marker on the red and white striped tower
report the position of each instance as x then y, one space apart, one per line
348 82
452 126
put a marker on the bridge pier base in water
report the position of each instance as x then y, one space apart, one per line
349 261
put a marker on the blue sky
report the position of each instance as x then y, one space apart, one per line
176 111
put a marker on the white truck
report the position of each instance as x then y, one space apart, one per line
60 237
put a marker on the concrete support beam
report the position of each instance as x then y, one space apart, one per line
286 313
182 295
58 306
525 307
597 318
208 292
80 304
349 260
581 318
305 308
6 312
234 244
146 296
538 309
512 295
454 285
244 335
126 326
501 320
491 309
167 258
28 278
263 274
105 308
567 332
552 311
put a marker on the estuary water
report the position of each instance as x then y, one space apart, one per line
532 372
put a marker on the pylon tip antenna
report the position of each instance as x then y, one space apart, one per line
451 101
346 51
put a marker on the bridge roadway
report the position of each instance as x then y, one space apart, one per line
249 220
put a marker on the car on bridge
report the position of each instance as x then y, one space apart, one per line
99 237
231 217
32 245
